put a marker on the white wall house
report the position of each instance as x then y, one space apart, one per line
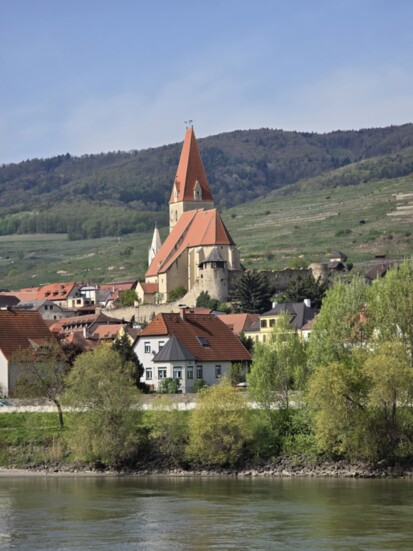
188 347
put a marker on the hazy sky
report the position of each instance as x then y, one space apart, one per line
85 76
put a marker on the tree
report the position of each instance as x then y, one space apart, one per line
219 427
205 301
168 429
362 408
341 325
127 298
43 373
252 292
100 386
303 287
124 348
390 309
278 366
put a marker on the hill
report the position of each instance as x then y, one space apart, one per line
113 194
290 198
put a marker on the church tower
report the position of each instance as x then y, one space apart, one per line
191 189
155 245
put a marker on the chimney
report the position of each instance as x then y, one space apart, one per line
274 304
182 311
307 302
86 332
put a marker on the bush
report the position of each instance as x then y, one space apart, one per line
169 386
177 293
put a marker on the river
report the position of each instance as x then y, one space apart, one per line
173 514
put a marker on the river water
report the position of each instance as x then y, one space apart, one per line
174 514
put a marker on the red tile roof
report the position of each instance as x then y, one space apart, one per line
239 322
223 345
106 331
190 170
149 288
193 229
56 291
17 329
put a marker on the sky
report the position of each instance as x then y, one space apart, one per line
90 76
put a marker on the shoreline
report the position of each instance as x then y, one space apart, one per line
339 469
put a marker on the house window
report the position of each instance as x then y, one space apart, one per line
263 323
199 371
264 338
189 372
272 323
161 372
78 301
147 348
149 374
256 338
217 371
177 373
161 344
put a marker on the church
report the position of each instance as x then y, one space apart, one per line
198 253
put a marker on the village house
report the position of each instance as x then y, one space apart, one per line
300 314
48 309
189 347
18 331
198 253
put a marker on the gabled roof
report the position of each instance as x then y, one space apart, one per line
56 291
149 288
379 271
205 336
173 351
190 170
239 322
78 322
300 313
193 229
19 330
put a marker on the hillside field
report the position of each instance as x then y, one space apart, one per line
286 227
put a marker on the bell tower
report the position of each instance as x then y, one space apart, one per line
190 190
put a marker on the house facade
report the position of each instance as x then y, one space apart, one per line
18 331
189 347
299 313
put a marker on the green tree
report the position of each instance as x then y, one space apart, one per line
127 298
124 348
252 292
219 428
205 301
341 325
278 366
168 429
303 287
362 408
43 372
106 428
390 310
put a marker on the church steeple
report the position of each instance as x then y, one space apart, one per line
155 245
190 189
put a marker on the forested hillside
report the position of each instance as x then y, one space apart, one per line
121 192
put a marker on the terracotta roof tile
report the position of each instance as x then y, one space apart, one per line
190 170
18 328
239 322
149 288
223 345
193 229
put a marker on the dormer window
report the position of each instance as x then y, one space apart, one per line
203 341
197 191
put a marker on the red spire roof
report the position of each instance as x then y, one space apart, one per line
190 170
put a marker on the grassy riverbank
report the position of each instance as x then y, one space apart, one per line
32 444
